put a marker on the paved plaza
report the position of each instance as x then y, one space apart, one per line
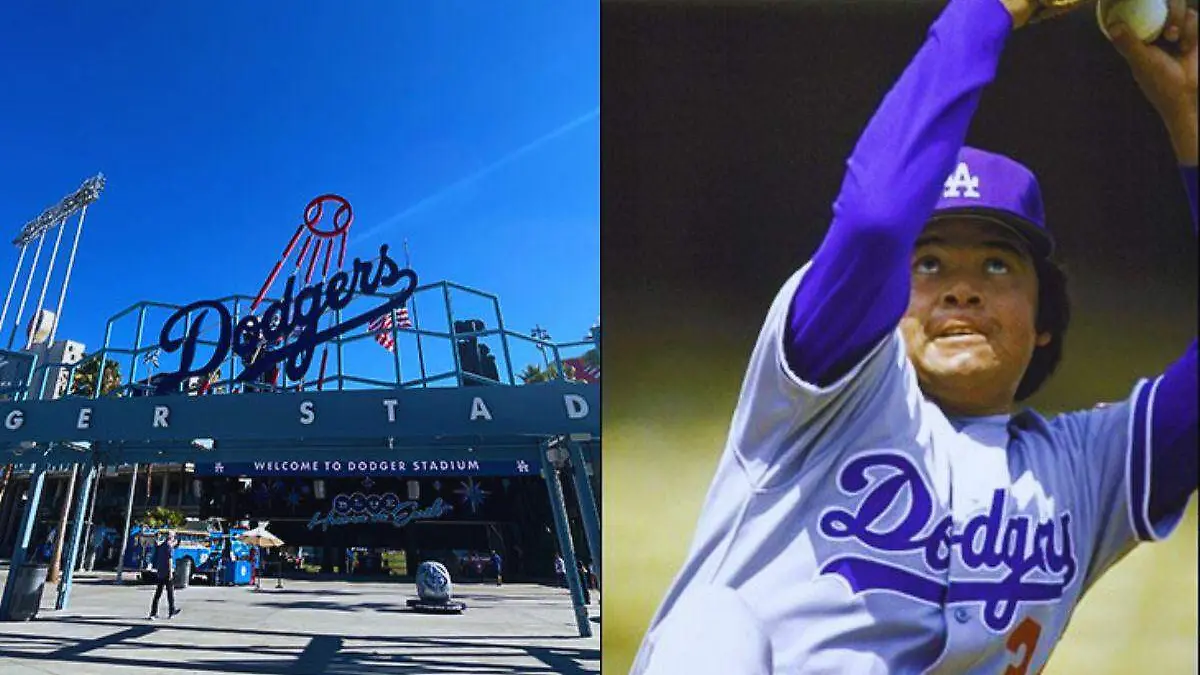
347 627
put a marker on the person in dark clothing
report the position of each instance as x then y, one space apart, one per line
560 571
164 565
497 564
583 582
44 552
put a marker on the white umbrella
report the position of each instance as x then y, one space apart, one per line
260 537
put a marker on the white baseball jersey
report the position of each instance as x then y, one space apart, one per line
866 533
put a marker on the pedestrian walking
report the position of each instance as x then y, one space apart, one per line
560 569
583 582
164 566
254 567
497 563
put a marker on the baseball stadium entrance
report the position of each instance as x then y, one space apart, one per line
372 422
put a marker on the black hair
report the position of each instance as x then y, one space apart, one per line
1053 317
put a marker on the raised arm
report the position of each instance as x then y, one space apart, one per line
1167 76
857 287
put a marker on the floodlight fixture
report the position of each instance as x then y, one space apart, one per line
68 206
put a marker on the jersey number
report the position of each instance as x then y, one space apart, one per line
1026 635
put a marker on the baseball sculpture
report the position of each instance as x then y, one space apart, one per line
434 590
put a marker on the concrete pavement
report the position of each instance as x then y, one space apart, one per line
344 627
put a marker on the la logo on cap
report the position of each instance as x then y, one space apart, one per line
961 183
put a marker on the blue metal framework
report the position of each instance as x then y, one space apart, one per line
445 411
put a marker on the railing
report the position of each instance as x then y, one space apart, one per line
434 368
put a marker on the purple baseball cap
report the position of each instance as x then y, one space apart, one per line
996 188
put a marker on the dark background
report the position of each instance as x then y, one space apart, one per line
724 133
726 128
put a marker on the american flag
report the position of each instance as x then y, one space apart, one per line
583 371
382 327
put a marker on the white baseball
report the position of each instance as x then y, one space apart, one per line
1146 18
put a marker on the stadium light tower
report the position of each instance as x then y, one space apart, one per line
36 230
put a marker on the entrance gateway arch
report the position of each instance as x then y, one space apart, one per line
296 384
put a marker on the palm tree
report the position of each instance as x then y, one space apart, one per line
161 516
592 357
86 372
533 373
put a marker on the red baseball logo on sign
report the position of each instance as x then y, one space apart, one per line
343 218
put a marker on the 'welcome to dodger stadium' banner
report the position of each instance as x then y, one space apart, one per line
352 467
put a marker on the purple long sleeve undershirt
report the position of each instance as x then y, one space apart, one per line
1174 462
858 284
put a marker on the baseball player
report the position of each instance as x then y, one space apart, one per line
883 505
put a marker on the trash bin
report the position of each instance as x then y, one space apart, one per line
241 573
27 592
183 573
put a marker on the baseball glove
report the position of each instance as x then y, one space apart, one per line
1052 9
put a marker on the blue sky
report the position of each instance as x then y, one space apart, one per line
469 128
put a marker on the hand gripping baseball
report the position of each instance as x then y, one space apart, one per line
1166 74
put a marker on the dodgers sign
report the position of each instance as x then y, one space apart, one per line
292 322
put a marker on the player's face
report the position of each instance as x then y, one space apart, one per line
969 328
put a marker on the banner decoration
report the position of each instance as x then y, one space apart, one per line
361 467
